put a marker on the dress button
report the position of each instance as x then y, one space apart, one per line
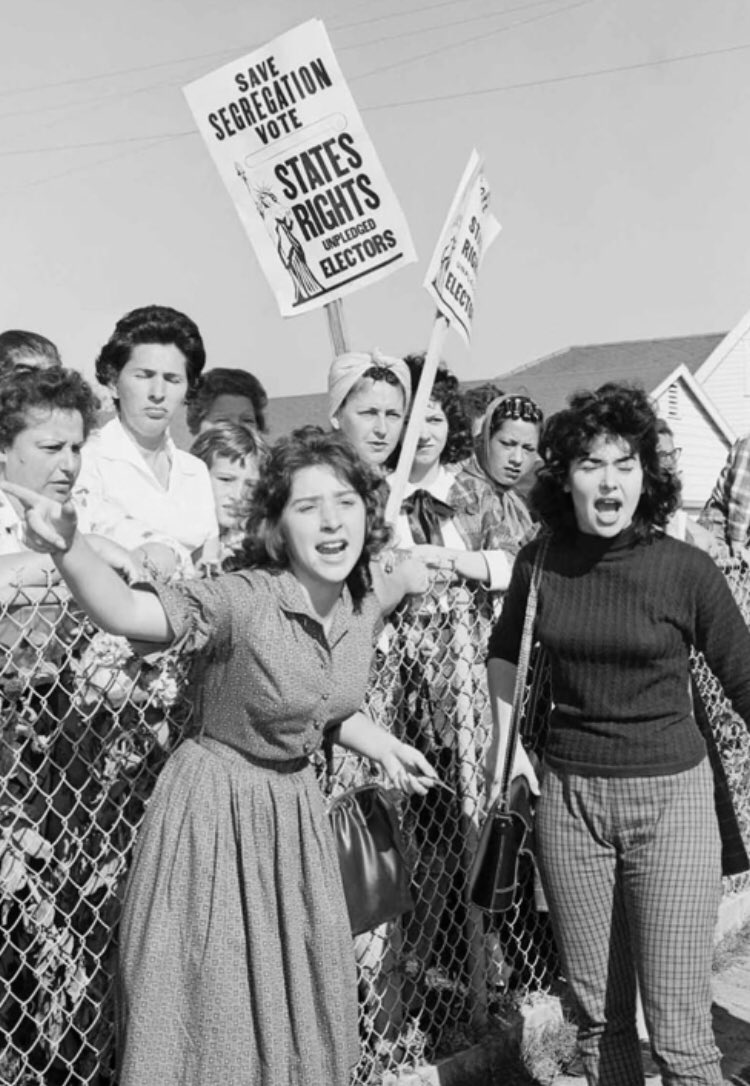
325 696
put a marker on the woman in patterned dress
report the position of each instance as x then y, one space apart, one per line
236 961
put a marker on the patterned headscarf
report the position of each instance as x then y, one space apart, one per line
510 406
347 369
516 517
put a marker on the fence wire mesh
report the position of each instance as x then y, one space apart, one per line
87 724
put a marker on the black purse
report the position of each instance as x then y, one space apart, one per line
371 857
505 842
507 834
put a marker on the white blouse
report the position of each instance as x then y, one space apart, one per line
127 503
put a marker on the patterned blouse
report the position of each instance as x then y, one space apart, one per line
266 678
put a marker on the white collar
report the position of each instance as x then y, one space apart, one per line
114 443
439 486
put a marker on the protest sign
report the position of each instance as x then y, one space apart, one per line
286 137
451 279
469 230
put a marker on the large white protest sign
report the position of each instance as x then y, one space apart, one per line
285 134
469 230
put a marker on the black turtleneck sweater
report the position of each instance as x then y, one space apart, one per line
618 617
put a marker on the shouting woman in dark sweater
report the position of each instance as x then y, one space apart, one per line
627 833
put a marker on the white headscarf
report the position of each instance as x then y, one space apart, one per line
347 369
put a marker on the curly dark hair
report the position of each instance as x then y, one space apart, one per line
225 381
479 397
618 410
152 324
264 544
24 391
447 393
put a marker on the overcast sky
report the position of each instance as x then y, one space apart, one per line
620 172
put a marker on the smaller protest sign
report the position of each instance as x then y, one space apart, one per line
287 139
468 232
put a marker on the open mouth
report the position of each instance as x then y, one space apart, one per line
332 548
608 506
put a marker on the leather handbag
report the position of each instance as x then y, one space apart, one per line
371 857
506 837
505 842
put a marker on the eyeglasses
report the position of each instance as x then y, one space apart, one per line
670 456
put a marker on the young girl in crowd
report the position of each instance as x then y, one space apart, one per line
368 397
134 482
627 835
236 961
234 456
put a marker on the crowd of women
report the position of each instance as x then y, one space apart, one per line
272 569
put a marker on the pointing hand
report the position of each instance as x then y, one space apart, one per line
50 526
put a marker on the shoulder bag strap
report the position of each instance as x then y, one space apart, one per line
522 671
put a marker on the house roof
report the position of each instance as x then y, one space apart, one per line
649 362
287 413
549 380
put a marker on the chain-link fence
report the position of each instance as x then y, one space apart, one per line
86 725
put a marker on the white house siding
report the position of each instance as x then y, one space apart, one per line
728 386
704 449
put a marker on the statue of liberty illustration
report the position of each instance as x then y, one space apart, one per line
447 254
279 223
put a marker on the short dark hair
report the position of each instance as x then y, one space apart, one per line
43 390
618 410
225 381
446 392
230 440
311 445
152 324
17 345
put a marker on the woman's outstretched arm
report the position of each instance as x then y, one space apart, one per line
52 528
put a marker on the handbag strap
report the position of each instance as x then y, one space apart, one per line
522 671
